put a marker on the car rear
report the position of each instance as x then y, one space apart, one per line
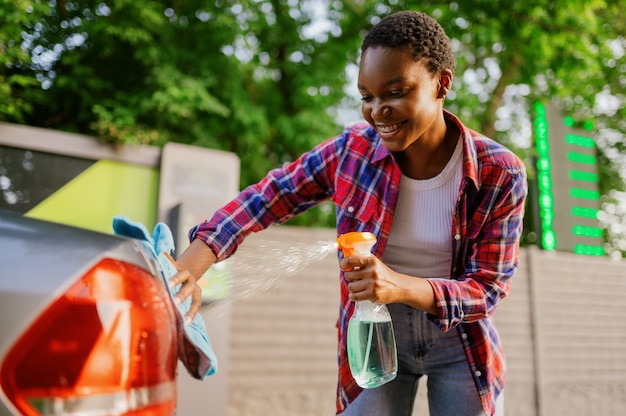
87 326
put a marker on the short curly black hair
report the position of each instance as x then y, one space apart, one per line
421 33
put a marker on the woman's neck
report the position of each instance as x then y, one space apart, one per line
425 159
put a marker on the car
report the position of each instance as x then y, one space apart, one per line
87 325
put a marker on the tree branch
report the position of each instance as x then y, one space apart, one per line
509 74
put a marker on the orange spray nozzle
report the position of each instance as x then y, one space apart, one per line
355 241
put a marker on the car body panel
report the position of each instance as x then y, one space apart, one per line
40 260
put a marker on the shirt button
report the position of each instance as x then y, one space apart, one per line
457 237
464 335
478 373
351 209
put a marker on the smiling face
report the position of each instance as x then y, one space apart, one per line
402 99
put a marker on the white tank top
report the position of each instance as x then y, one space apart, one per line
420 242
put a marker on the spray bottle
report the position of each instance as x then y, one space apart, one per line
371 341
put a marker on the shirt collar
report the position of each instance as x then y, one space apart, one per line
470 167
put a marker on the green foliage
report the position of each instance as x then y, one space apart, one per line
251 77
19 90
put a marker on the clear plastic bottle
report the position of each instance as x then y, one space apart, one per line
371 341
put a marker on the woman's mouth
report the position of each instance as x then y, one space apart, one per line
387 128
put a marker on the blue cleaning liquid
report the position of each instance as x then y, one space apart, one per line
372 352
371 345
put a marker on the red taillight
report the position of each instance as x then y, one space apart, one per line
105 347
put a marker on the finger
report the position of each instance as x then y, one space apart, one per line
186 290
355 274
360 295
347 267
196 303
171 259
354 263
357 286
182 276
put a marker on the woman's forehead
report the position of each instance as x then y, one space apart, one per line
389 62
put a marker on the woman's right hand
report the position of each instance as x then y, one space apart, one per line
191 266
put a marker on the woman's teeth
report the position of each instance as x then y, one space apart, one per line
387 129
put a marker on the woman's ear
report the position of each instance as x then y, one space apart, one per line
445 83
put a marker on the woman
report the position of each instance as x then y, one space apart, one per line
445 203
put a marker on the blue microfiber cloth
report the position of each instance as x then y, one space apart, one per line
194 345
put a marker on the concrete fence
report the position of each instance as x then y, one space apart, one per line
563 328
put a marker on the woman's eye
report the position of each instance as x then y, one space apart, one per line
366 98
397 93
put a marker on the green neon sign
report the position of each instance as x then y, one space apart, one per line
581 141
548 239
579 175
586 231
581 158
544 177
584 194
567 183
588 250
585 212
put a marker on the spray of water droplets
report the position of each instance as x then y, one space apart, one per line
267 265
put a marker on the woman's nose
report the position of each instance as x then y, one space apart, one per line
380 110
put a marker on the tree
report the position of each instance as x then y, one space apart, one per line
19 88
238 76
264 78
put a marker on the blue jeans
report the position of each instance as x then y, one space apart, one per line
423 350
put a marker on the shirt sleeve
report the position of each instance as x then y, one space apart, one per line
490 254
283 193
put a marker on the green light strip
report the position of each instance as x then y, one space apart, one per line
584 194
582 141
581 158
588 250
541 110
586 231
579 175
585 212
546 199
544 182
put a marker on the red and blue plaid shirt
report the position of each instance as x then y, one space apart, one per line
361 177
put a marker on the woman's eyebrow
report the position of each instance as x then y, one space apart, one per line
387 83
